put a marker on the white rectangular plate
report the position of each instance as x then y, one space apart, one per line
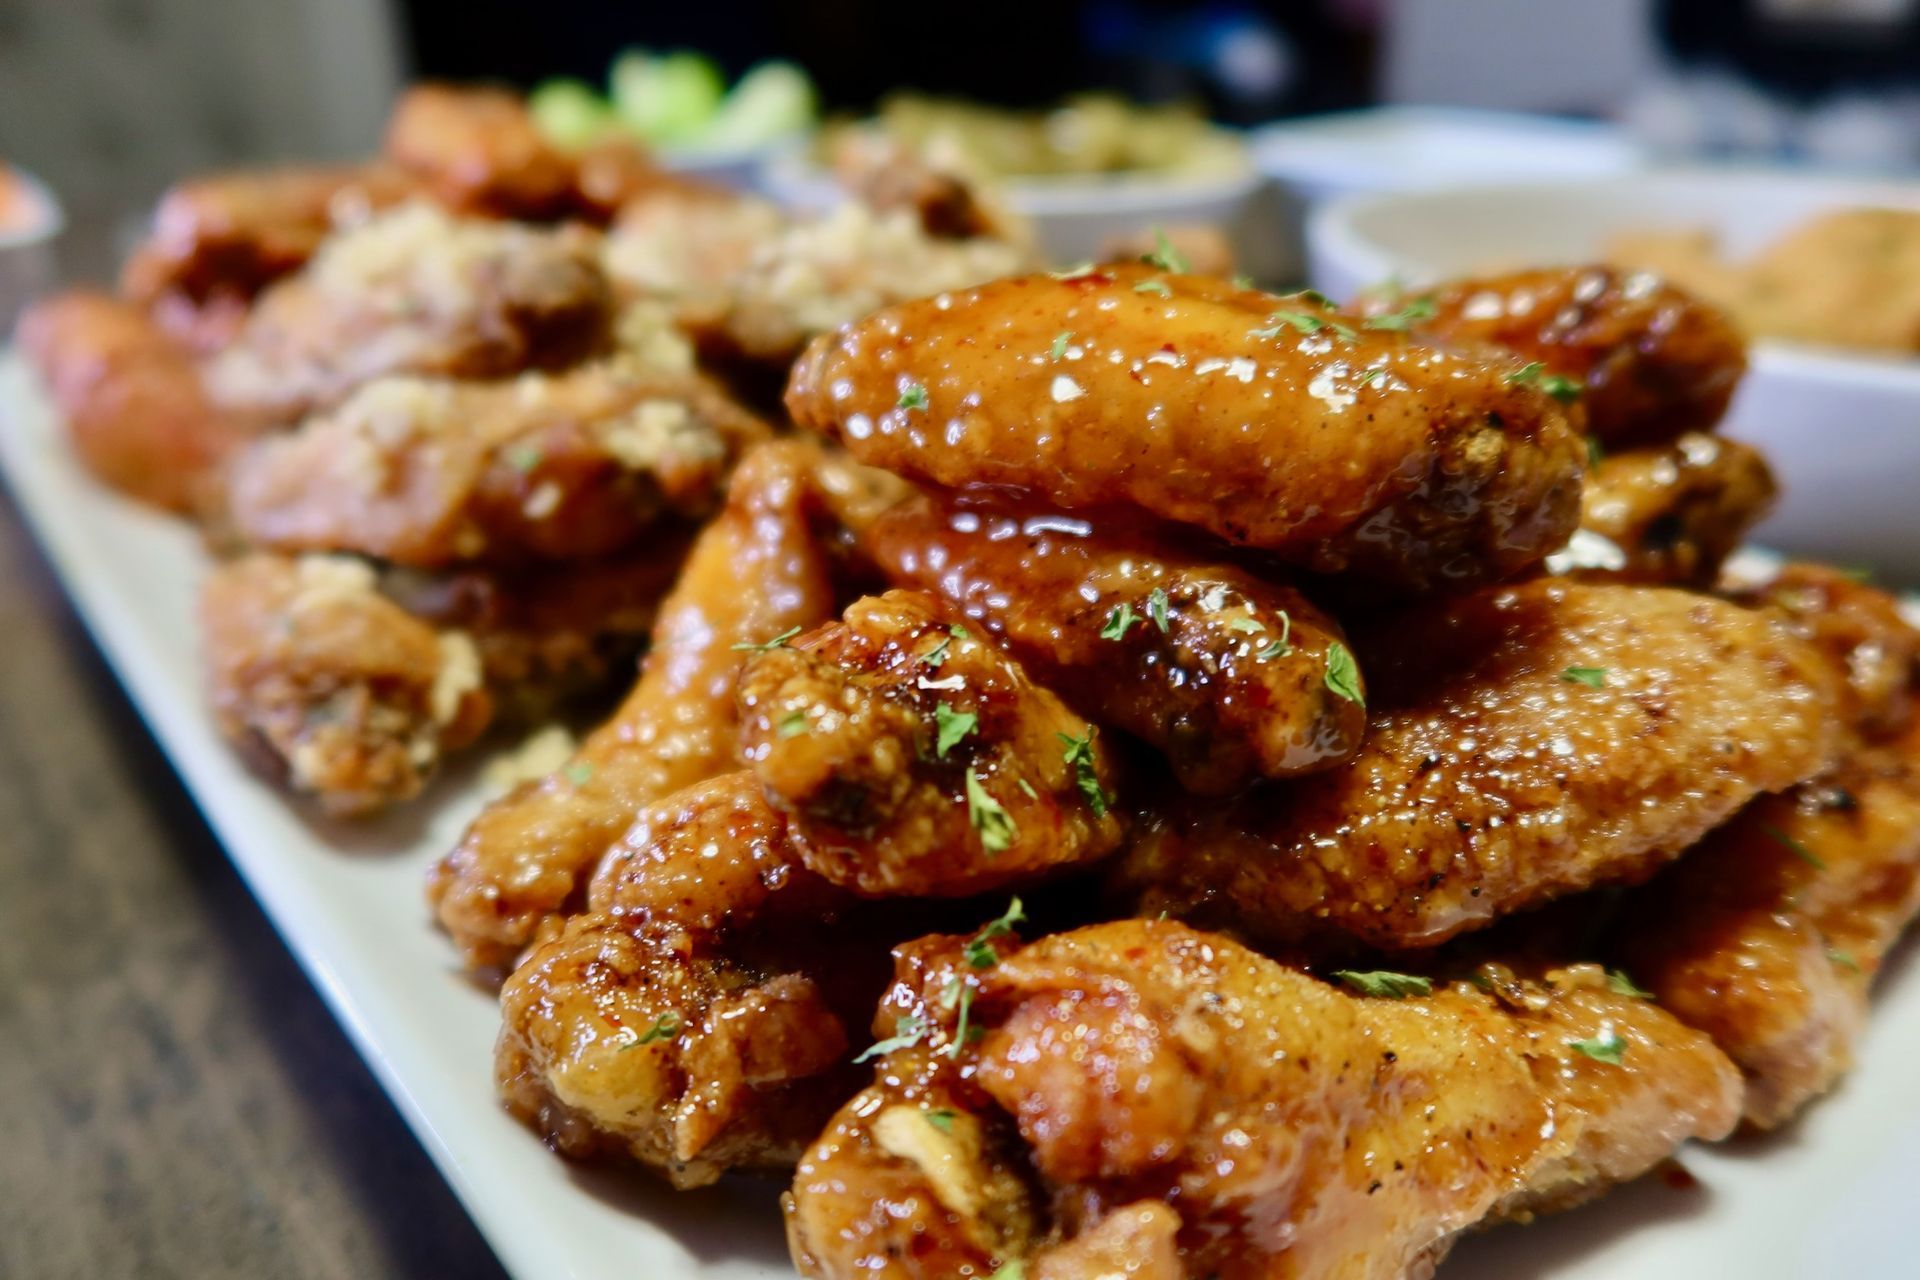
1833 1196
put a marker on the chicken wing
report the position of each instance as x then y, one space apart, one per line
1861 631
1651 361
1669 513
1223 672
913 758
1282 1128
479 152
325 683
415 291
429 472
757 571
1524 742
1272 422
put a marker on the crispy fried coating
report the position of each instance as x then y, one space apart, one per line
1287 1128
478 151
1669 513
913 758
1524 743
1654 361
413 290
756 571
430 472
132 401
1223 672
326 684
227 236
1271 422
1860 630
1768 934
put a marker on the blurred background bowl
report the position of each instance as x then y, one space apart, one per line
30 221
1841 427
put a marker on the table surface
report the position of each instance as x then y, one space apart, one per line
175 1100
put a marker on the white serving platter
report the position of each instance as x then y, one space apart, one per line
1833 1196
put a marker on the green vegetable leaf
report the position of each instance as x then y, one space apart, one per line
768 646
994 824
949 727
980 952
665 1029
1079 754
579 773
1383 983
792 725
908 1032
913 396
1605 1047
1843 959
1060 341
1165 256
1592 677
1343 674
1157 604
1421 308
941 1119
1118 621
1620 984
1794 847
1284 645
1153 286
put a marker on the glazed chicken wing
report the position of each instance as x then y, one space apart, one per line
1173 1102
132 401
479 152
756 572
1650 361
322 681
415 291
1669 513
913 758
1524 743
1225 673
432 471
1272 422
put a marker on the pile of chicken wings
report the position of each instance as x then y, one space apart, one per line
1130 773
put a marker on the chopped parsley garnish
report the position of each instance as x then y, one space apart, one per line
1060 340
988 817
907 1032
1078 271
1153 286
768 646
941 1119
1605 1047
913 396
959 632
1370 377
1015 1270
1242 281
1343 675
1406 317
1316 297
1284 645
1592 677
1304 322
524 457
1157 603
792 725
1118 621
1386 984
667 1027
960 994
1595 454
949 727
579 773
1534 373
1620 984
980 952
1251 626
1794 847
1026 788
938 654
1079 754
1842 959
1165 256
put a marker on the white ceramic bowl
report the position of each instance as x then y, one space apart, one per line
26 251
1842 429
737 167
1072 216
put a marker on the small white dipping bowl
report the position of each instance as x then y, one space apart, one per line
1842 429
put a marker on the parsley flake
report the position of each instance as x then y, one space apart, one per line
950 726
1078 271
988 816
524 457
1844 960
1079 754
941 1119
1026 788
1406 317
980 953
1620 984
1343 674
1794 847
1242 281
1594 452
938 654
1015 1270
667 1027
579 773
913 396
768 646
1153 286
1606 1047
792 725
1251 626
1060 340
1284 645
1165 256
1118 621
1157 603
908 1032
1592 677
962 1032
1370 377
1386 984
1534 373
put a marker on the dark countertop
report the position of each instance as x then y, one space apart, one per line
175 1100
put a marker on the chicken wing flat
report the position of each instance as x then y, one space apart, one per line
429 472
228 236
1176 1103
323 682
1651 361
1223 672
756 572
1524 743
416 291
1862 633
1669 513
1273 422
1767 935
479 152
132 401
913 758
